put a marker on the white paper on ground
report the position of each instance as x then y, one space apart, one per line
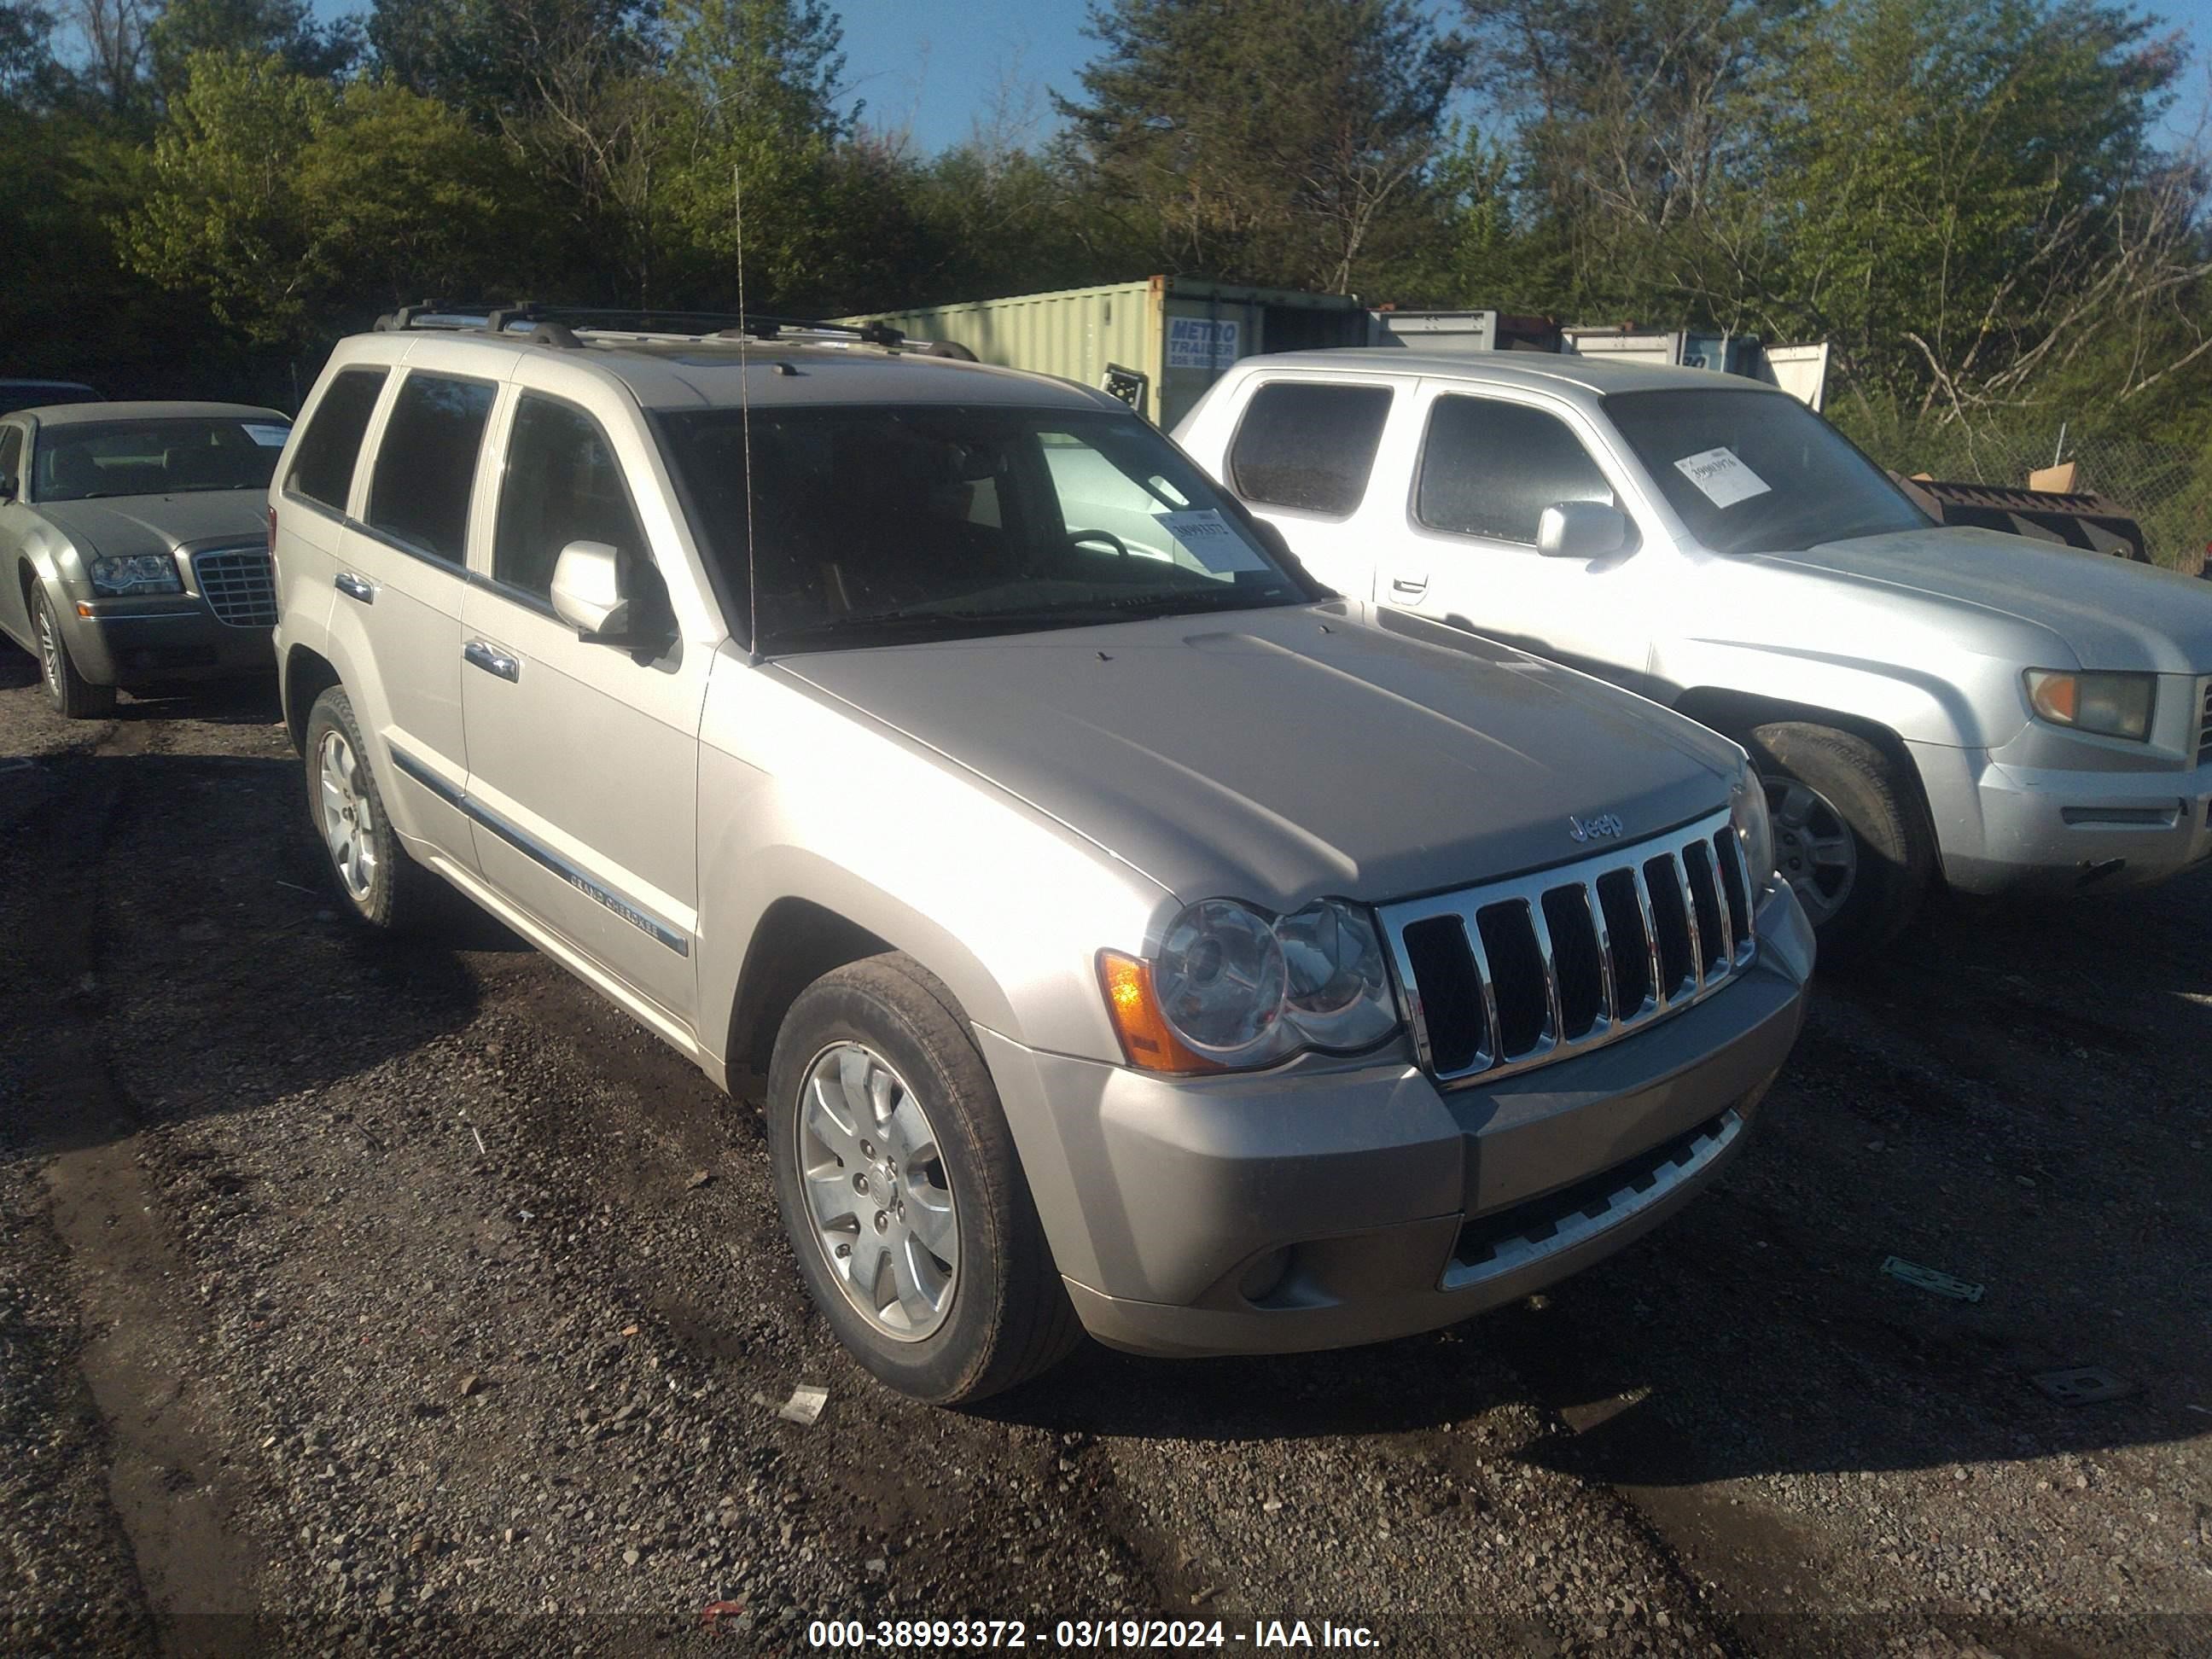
805 1403
1207 537
1723 477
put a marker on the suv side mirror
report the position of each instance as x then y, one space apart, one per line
1581 530
587 590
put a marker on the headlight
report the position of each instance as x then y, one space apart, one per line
1234 987
1754 828
2112 705
141 573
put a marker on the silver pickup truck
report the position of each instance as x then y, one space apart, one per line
1921 701
1122 935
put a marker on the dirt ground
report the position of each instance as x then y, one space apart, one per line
360 1295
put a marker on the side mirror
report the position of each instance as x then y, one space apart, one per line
1581 530
587 590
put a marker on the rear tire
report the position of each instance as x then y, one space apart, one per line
1850 833
381 885
73 696
934 1274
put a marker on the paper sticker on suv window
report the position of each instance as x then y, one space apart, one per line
1724 479
1206 537
269 437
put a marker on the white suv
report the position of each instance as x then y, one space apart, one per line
1124 934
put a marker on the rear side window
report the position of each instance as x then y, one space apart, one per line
563 485
1307 446
322 467
11 453
1490 469
419 493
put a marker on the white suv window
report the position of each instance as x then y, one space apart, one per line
419 493
1308 446
1489 469
563 485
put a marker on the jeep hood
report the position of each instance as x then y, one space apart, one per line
1281 754
130 524
2112 613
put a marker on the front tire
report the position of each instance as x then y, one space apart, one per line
901 1191
381 886
1850 836
73 696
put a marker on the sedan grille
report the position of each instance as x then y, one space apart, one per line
235 582
1500 978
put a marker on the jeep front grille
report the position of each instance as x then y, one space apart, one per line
1517 974
236 584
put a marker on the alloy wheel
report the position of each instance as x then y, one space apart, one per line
878 1200
1814 848
50 651
347 817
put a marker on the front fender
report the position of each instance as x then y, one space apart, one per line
1973 704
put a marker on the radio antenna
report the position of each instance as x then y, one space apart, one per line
745 417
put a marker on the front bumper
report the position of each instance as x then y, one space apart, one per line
162 638
2012 828
1315 1206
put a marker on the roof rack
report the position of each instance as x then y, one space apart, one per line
564 325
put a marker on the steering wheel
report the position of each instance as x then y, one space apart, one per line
1077 537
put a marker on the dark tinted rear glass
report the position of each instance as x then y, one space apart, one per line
322 467
1308 446
1490 469
419 493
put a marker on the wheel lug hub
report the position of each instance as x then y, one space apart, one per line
859 1183
883 1221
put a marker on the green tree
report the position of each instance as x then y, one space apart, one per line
1279 141
285 29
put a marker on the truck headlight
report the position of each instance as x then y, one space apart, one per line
139 573
1754 828
1233 987
2111 705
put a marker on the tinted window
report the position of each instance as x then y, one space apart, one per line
1490 469
172 457
1308 446
865 526
419 493
563 485
12 452
322 467
1758 471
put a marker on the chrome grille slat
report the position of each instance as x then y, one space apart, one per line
1576 925
2204 727
237 584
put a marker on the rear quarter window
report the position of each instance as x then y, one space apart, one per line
1308 446
322 465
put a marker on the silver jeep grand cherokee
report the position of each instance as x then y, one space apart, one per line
1128 938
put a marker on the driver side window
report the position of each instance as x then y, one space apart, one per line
11 456
1489 469
563 485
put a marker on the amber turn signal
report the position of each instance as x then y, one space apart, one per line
1147 1040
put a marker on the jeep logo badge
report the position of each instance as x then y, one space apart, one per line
1604 827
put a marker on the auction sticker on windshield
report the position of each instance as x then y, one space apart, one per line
1723 477
269 437
1206 537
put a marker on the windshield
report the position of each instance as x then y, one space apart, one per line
1758 471
155 457
873 523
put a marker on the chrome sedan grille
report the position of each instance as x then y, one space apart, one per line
1517 974
236 584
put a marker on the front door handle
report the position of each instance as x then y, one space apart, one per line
478 653
1409 587
355 588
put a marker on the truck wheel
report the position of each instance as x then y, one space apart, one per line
1848 834
73 696
381 885
898 1183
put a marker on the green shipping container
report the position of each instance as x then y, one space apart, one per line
1158 344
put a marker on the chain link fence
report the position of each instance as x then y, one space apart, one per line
2165 488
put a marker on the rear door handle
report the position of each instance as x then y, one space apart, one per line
1410 587
481 654
355 588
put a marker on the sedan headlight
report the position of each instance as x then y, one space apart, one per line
1234 987
1754 828
2111 705
140 573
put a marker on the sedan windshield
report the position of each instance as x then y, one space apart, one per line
162 456
870 523
1758 471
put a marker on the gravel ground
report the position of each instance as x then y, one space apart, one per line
406 1296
